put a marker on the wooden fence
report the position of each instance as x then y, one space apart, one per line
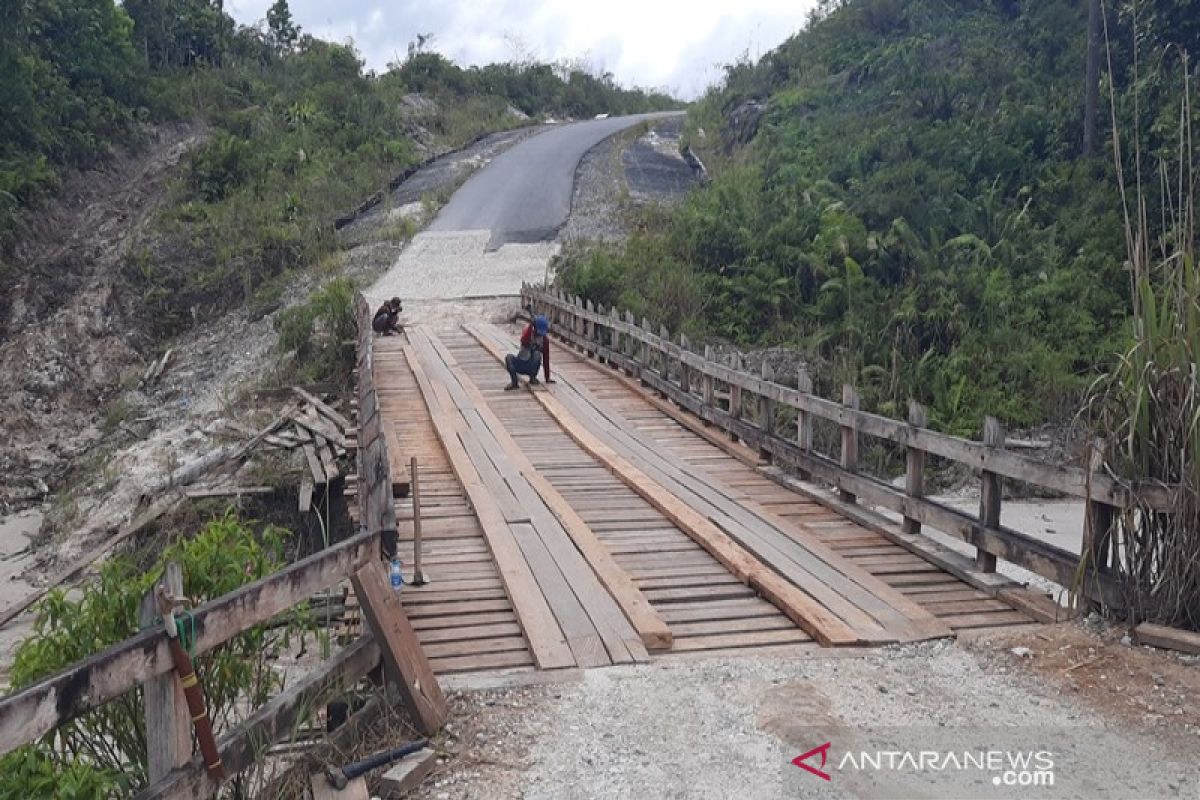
36 710
745 406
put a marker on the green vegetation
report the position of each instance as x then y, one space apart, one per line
914 213
1147 407
320 332
103 752
296 132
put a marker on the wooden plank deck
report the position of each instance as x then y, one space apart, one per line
463 617
466 619
966 608
705 607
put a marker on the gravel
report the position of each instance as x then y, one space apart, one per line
730 727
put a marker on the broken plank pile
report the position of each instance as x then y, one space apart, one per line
312 427
574 610
837 602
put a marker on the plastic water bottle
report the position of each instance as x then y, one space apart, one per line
397 575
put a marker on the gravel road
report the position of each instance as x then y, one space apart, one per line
730 727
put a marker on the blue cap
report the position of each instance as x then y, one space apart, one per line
540 325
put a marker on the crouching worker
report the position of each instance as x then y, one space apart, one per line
534 354
387 318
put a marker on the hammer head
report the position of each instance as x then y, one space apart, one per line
336 778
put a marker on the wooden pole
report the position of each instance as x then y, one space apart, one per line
849 440
766 411
735 393
419 578
706 383
685 376
914 466
664 361
804 419
990 491
168 723
1098 521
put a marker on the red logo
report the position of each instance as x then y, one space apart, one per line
824 751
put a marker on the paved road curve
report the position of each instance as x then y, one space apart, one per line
498 229
524 195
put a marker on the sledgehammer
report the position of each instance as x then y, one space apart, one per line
339 777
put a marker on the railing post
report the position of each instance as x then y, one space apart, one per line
664 362
804 420
579 324
706 382
849 440
591 331
735 393
168 722
766 413
1098 520
614 336
990 491
685 377
645 365
914 465
631 345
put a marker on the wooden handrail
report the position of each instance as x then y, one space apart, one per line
615 338
1067 480
39 708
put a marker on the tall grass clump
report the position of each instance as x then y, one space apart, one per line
1147 407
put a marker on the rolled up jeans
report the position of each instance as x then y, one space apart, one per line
517 366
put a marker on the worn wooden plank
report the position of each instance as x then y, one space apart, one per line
324 408
397 461
497 457
400 647
546 640
653 631
1168 638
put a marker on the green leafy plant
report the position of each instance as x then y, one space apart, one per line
104 750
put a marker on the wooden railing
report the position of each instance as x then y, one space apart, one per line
745 406
32 712
376 509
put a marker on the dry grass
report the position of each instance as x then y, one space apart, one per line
1147 408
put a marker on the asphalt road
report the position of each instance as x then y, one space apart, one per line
524 195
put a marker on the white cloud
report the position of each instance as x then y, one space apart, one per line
675 44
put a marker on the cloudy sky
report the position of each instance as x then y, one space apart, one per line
676 44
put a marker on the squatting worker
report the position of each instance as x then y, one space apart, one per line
534 353
387 318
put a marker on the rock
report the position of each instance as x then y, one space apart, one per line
1126 641
1021 652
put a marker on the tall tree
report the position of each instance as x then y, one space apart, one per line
1092 100
284 32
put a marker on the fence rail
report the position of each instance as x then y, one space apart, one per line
34 711
693 380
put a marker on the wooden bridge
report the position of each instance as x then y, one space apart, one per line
594 522
653 502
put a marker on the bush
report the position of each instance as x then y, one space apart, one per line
104 750
317 331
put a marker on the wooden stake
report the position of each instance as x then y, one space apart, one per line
419 578
168 724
